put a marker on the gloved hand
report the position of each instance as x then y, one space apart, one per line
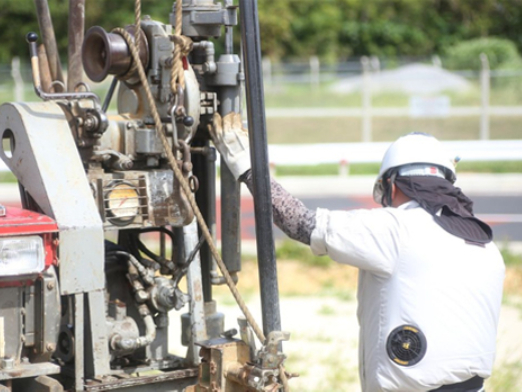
231 140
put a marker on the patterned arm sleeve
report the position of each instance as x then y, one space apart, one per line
290 214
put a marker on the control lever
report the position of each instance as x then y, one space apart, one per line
31 39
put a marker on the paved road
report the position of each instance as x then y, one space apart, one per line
498 199
503 213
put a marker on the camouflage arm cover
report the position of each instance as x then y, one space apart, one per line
290 214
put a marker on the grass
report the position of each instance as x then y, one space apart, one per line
324 277
513 280
7 177
506 377
331 169
504 92
327 310
291 250
349 129
339 378
511 259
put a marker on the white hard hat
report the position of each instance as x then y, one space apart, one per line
416 154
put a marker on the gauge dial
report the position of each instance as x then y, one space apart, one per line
123 203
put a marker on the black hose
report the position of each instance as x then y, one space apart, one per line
109 95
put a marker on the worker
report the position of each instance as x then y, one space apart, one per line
430 277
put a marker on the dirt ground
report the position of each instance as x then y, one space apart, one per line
318 308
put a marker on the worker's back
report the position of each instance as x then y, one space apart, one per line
431 318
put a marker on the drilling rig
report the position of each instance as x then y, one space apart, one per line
85 297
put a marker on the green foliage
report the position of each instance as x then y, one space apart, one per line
500 52
7 177
292 250
490 167
331 29
511 259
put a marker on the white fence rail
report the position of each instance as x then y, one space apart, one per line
313 154
347 153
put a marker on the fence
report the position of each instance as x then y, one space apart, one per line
467 108
380 99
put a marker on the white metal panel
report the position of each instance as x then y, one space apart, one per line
46 162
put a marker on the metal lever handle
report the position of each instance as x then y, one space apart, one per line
31 38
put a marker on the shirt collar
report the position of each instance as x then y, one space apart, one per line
409 205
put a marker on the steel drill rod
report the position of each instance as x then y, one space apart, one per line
230 194
250 37
47 30
204 169
230 189
75 36
45 72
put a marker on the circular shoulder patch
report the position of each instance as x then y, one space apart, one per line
406 345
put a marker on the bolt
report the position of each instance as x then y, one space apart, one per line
56 242
141 296
22 338
23 312
90 123
50 286
7 363
49 347
25 360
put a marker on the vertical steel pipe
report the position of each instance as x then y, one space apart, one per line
45 72
204 169
47 31
250 37
230 195
230 188
75 35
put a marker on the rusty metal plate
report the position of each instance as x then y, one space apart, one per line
126 382
29 370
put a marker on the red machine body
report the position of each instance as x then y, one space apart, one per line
18 222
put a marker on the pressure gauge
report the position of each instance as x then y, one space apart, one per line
122 203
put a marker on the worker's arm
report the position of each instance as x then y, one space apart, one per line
367 239
290 214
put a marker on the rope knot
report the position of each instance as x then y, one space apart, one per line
183 43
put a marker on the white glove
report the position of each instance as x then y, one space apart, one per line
231 140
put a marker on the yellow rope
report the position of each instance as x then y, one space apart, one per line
182 46
137 24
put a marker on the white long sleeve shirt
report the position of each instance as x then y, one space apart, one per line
412 272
